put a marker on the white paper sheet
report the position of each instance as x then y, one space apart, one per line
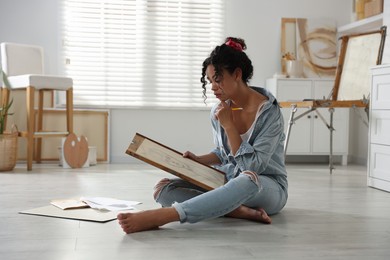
109 204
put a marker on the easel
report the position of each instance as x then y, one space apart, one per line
358 53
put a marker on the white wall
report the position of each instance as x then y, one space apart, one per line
32 22
180 129
258 22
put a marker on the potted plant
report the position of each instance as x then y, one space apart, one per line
8 141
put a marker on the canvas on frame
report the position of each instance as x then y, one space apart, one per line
312 41
317 47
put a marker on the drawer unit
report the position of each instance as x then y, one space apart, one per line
378 175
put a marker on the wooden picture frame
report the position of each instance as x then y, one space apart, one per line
288 39
172 161
93 124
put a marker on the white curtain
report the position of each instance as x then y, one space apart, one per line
139 53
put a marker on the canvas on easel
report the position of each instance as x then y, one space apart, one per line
358 53
172 161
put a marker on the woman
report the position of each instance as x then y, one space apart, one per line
248 133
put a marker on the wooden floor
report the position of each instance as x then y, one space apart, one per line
327 217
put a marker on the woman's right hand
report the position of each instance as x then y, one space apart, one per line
223 114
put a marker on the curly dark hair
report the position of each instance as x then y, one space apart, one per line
230 58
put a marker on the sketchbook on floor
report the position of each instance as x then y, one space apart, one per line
86 214
172 161
96 209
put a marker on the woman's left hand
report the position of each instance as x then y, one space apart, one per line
190 155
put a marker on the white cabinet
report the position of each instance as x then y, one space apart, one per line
379 137
309 135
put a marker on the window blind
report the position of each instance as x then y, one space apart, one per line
139 53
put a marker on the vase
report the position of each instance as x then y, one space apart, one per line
294 69
8 151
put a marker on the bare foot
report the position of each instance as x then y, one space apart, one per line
258 215
132 222
146 220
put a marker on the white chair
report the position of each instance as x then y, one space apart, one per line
24 66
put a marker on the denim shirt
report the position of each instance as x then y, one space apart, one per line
263 153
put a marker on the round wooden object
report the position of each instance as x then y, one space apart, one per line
75 151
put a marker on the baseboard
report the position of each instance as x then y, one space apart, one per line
312 159
358 160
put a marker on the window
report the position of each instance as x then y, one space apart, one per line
139 53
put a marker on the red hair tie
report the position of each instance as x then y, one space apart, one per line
234 45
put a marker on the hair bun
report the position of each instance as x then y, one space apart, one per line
236 43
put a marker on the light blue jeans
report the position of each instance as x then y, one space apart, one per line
195 204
